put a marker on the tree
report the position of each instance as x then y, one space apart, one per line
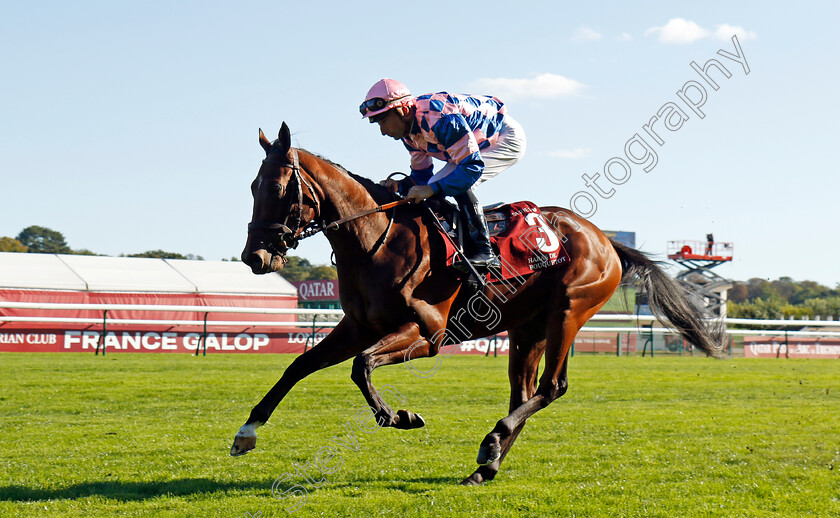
785 297
158 254
785 287
738 292
811 290
323 273
10 244
42 240
759 288
83 251
296 268
757 309
300 269
828 306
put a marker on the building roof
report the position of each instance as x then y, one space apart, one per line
134 274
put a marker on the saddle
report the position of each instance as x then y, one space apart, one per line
519 234
449 216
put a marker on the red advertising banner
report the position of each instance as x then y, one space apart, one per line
47 336
798 347
589 342
28 337
122 339
165 340
317 290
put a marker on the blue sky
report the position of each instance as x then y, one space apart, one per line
133 126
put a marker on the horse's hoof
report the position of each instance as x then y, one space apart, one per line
242 445
409 420
482 474
473 480
489 454
490 450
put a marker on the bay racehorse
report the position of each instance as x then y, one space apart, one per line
402 302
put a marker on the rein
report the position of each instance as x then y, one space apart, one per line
379 208
290 236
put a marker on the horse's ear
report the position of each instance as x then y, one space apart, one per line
285 137
264 142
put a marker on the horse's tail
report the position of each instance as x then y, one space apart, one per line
669 301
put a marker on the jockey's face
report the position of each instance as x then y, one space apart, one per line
394 124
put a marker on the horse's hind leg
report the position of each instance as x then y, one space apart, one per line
569 311
389 350
527 346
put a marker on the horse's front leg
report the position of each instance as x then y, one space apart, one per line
344 342
404 345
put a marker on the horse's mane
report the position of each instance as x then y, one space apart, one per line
374 189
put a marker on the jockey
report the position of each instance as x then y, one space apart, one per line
473 134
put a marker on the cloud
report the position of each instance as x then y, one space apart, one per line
571 153
678 31
725 31
624 37
585 33
542 86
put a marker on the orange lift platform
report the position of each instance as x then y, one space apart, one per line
700 251
698 258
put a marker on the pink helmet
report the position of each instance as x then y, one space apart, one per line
384 95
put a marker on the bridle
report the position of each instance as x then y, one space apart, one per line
290 228
293 232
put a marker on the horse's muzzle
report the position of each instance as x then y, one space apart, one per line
262 261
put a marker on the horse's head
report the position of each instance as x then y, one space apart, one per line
279 213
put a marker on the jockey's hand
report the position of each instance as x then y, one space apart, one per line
419 193
391 185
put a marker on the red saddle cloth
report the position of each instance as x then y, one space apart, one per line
524 241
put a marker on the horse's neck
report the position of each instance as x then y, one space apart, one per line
342 197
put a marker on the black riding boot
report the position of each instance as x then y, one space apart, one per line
476 236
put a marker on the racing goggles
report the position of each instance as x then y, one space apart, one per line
372 105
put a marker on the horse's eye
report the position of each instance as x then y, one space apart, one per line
278 188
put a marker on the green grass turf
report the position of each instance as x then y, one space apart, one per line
149 435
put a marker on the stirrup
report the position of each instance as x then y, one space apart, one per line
481 266
492 264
